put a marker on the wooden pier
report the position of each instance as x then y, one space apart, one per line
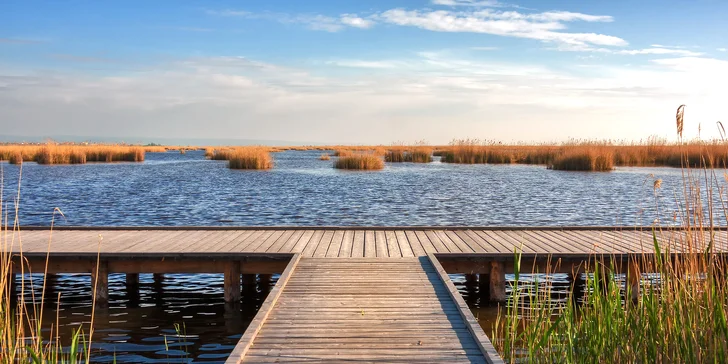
351 294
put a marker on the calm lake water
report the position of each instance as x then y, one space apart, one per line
171 189
185 189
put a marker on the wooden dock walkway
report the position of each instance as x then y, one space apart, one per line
402 310
352 294
347 242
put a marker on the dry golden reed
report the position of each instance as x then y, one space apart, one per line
250 158
324 157
416 154
359 161
70 154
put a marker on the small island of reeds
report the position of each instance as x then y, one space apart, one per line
359 161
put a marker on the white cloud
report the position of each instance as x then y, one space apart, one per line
365 64
474 3
661 51
722 49
353 20
310 21
541 26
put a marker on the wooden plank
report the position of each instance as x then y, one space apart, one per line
324 244
278 243
370 244
439 245
357 248
225 244
313 243
392 245
451 244
427 245
346 244
404 245
241 243
336 242
246 341
290 243
381 244
474 240
301 243
462 243
265 243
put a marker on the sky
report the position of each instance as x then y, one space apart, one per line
362 72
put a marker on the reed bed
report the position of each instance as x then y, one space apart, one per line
359 161
249 158
584 159
589 155
70 154
413 154
324 157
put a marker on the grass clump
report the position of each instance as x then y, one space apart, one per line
324 157
359 161
249 158
415 154
595 160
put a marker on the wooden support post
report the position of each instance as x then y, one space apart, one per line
497 282
100 283
158 288
605 278
264 282
484 287
232 282
471 282
249 282
576 285
632 282
132 289
132 281
50 281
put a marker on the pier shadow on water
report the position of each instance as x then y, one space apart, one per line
181 318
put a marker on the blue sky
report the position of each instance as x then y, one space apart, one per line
361 71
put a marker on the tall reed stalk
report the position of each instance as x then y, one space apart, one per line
21 318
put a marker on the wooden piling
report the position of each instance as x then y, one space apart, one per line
632 281
264 282
100 282
497 282
484 287
231 286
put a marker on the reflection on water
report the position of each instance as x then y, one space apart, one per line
185 189
181 319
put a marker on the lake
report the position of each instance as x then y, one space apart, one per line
185 318
171 189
